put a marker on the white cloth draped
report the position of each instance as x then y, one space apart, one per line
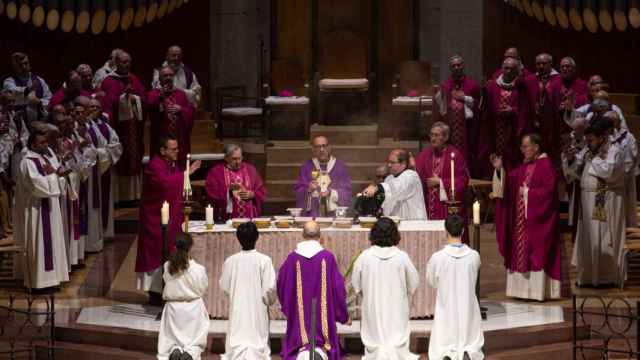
249 279
185 320
453 271
387 279
404 197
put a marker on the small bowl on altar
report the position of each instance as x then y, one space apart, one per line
283 222
367 221
299 221
324 222
262 223
343 223
295 212
237 222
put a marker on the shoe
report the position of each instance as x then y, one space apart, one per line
176 354
186 356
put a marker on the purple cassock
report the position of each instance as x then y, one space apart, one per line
163 181
546 120
340 182
300 279
560 90
163 123
130 132
527 231
437 163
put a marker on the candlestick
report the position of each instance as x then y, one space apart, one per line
453 181
476 213
164 213
208 215
187 192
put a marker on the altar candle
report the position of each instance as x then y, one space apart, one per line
476 213
453 185
187 179
164 213
208 214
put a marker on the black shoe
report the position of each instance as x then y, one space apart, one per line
186 356
176 354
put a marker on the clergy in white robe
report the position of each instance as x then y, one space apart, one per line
45 263
627 142
249 279
402 189
387 279
453 271
601 225
107 69
185 321
32 94
184 79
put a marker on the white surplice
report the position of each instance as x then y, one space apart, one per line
387 279
193 91
598 247
249 279
86 160
33 187
453 271
403 196
185 320
627 142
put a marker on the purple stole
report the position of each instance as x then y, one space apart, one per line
45 212
94 172
188 74
35 82
84 208
105 179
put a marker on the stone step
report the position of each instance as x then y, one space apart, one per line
298 152
284 188
347 134
628 103
289 171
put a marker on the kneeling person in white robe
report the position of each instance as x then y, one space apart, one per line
387 279
402 189
249 279
453 271
185 320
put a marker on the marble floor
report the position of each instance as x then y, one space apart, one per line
500 316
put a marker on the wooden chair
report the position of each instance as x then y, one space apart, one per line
288 76
412 93
343 68
233 105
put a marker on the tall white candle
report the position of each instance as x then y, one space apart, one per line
208 214
187 178
476 213
453 179
164 213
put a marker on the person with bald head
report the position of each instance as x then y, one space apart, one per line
600 102
568 91
512 53
170 112
309 273
627 142
507 117
31 92
183 79
402 189
456 103
107 69
323 181
124 102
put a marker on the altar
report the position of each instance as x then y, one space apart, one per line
420 239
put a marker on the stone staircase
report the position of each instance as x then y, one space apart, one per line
359 146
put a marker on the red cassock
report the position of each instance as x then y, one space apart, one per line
130 132
461 128
219 179
162 182
523 75
430 163
561 90
61 97
546 120
501 132
163 123
527 234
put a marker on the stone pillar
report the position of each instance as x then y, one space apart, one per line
461 32
430 35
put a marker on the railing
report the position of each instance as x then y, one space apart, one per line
611 321
27 321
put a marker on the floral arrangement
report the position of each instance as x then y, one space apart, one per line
285 93
412 93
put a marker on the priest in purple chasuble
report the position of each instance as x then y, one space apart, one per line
163 181
234 187
170 113
527 231
506 119
433 165
456 103
124 103
323 183
311 272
